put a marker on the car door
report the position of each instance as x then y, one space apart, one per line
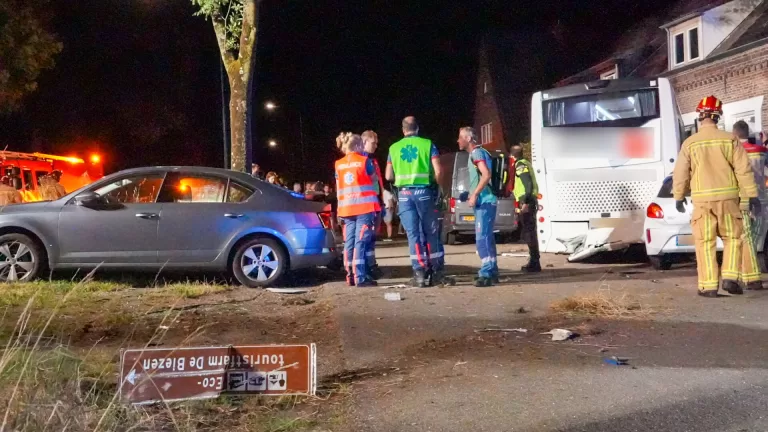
200 214
120 230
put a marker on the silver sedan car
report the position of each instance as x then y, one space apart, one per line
170 218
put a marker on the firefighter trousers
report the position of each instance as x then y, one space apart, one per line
750 267
710 220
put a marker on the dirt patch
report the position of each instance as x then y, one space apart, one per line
602 304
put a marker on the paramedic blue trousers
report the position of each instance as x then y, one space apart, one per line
485 240
419 217
358 237
370 254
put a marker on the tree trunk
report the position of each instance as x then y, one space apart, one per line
239 121
240 73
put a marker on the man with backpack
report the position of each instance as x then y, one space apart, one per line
484 202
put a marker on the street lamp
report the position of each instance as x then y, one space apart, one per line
271 107
272 143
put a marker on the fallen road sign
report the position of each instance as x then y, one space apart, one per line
173 374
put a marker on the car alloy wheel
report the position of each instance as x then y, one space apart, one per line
19 258
259 262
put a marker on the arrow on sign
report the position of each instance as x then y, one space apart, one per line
131 378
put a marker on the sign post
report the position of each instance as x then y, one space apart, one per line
157 375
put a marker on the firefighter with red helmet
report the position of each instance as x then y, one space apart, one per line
714 166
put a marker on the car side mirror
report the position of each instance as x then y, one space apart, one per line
89 199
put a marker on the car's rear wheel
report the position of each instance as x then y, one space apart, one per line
259 262
21 259
661 262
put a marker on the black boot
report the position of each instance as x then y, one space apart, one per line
708 293
732 287
755 286
439 278
375 272
531 267
419 279
350 277
367 283
483 282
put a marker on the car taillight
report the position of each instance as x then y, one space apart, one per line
654 211
325 219
452 203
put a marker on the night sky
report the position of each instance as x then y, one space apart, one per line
139 80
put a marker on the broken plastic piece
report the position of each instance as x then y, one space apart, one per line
560 334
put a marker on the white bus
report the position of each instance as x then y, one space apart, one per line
600 150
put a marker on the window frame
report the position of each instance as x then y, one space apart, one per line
182 174
93 187
230 181
685 29
611 74
486 133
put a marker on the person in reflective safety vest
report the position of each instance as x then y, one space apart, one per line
357 207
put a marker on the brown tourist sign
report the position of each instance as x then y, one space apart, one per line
156 375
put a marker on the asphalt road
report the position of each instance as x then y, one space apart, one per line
694 364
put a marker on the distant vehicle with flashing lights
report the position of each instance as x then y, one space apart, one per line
26 170
191 218
668 232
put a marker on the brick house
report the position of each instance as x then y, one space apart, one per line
704 47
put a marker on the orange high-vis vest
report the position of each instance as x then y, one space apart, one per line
356 193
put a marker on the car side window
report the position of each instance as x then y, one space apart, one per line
238 193
193 188
132 190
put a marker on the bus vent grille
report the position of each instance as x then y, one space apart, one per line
602 197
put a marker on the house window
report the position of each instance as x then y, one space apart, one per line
611 74
693 43
486 87
686 44
486 134
679 48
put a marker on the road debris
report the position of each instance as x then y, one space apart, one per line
398 286
515 255
288 290
616 361
395 296
521 310
504 330
560 334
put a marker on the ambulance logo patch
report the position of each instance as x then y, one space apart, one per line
349 178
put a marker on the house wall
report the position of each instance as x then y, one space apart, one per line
733 79
486 109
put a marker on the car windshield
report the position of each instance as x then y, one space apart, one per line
666 189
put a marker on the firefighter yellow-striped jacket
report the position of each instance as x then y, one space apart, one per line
715 166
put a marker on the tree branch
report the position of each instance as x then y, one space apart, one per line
220 29
248 35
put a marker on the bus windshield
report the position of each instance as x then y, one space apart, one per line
619 109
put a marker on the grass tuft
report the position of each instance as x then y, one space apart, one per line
194 290
601 304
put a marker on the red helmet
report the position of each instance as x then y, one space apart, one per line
710 105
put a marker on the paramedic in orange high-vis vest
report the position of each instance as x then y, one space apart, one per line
357 208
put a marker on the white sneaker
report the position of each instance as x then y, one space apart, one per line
387 240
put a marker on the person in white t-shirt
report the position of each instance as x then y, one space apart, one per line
389 204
